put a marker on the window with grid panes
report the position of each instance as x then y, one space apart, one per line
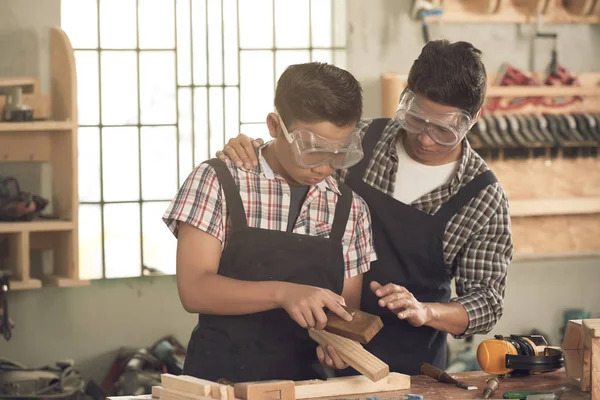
162 85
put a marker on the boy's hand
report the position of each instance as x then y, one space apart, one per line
305 305
240 150
328 356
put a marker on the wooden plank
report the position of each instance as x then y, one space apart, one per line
187 384
362 328
565 206
351 386
156 391
353 354
36 126
592 327
572 337
595 369
172 394
265 390
36 226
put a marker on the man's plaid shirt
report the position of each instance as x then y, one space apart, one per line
266 197
477 242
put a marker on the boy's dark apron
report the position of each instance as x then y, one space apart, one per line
409 250
266 345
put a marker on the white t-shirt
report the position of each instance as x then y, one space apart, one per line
414 180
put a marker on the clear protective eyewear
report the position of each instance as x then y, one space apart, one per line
446 129
312 150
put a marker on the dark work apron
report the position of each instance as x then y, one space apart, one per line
266 345
409 250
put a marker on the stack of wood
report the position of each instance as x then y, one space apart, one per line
345 337
189 388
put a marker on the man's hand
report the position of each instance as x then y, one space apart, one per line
328 356
305 305
401 302
240 150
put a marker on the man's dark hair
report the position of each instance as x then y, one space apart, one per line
451 74
317 92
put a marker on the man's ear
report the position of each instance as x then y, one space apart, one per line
273 125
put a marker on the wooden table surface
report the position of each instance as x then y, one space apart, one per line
432 389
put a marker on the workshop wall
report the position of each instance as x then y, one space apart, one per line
89 324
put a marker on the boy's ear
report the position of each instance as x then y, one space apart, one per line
273 125
477 116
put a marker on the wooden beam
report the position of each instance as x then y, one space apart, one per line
351 386
564 206
353 354
265 390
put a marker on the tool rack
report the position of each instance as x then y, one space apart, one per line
552 183
51 139
518 11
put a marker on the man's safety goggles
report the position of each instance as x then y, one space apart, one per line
312 150
447 129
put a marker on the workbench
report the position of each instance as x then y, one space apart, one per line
431 389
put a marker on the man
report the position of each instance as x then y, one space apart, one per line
261 252
438 213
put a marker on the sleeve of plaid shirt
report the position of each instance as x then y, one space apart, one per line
199 203
482 267
361 251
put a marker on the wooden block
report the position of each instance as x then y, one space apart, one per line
187 384
592 326
222 392
351 386
265 390
362 328
156 390
595 369
572 338
172 394
353 354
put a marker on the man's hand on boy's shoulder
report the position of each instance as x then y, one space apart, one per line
241 150
305 304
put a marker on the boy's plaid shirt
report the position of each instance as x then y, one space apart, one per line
266 197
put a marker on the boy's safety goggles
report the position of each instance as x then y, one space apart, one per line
446 129
312 150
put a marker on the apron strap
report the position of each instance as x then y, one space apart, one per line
368 143
235 206
342 212
464 195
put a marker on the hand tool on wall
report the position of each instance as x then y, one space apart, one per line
491 386
442 376
5 323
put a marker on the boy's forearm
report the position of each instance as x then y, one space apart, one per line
216 294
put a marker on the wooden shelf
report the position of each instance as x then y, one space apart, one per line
52 140
35 226
566 206
25 285
37 126
555 256
541 91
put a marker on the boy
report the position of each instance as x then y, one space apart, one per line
262 251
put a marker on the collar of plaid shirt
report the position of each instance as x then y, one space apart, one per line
265 170
381 173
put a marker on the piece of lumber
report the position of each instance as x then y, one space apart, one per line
265 390
187 384
353 354
172 394
362 328
351 386
222 392
156 390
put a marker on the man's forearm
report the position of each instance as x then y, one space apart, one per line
216 294
447 317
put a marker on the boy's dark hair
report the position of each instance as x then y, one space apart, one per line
316 92
451 74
